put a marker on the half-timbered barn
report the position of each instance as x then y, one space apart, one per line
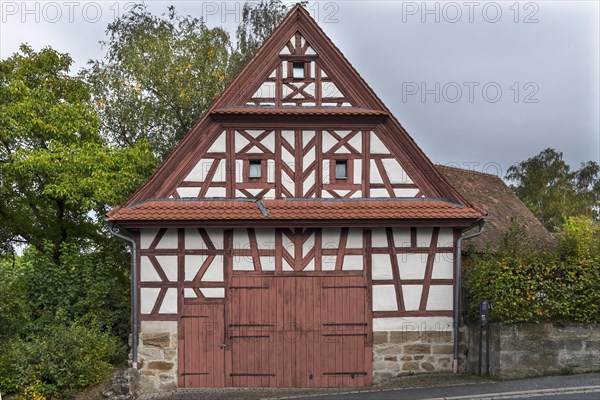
296 237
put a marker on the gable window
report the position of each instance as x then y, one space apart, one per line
255 169
341 169
298 70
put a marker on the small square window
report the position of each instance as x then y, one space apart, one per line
341 169
255 169
298 70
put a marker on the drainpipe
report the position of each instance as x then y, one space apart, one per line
457 266
134 294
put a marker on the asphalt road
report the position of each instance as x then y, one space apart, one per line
545 387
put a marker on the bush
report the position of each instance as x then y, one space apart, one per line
532 287
59 362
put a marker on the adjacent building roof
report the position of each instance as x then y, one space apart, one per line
491 194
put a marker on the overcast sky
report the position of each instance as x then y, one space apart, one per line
477 84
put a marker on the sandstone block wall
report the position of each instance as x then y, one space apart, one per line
522 350
405 352
157 356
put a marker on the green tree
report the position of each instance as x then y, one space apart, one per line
57 174
546 184
160 73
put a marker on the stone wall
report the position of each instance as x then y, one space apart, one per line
157 356
409 351
523 350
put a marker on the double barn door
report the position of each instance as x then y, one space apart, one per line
280 332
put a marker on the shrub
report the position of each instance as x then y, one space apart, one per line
58 362
534 287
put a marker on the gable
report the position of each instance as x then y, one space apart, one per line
297 129
283 87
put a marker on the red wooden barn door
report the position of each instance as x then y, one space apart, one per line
299 331
201 357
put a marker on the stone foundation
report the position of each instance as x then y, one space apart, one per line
409 351
157 356
523 350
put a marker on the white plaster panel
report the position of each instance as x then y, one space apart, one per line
395 172
169 266
342 193
243 263
192 265
405 192
375 176
169 240
353 263
147 271
443 267
147 299
169 304
216 192
313 65
355 238
188 192
413 324
323 74
308 245
198 173
310 266
266 90
273 73
356 142
446 238
286 90
379 238
220 173
265 238
268 141
189 293
384 298
440 297
412 266
310 51
358 171
328 263
379 193
146 237
239 168
285 266
288 245
330 238
381 266
377 146
159 326
342 150
241 239
213 293
285 50
288 183
267 263
214 273
309 182
401 237
310 90
240 142
219 145
424 236
331 90
358 194
271 171
326 195
193 240
216 237
412 296
309 157
328 141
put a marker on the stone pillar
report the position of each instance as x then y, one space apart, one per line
157 356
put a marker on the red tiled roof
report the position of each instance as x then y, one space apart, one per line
298 111
204 210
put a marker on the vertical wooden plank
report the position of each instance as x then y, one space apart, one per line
366 163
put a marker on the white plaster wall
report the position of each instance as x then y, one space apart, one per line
353 263
384 298
147 271
412 266
446 237
213 293
169 304
192 265
159 326
328 263
443 266
266 90
412 296
415 324
377 146
169 240
424 236
381 266
146 237
440 297
147 299
169 266
184 192
379 238
401 237
355 238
